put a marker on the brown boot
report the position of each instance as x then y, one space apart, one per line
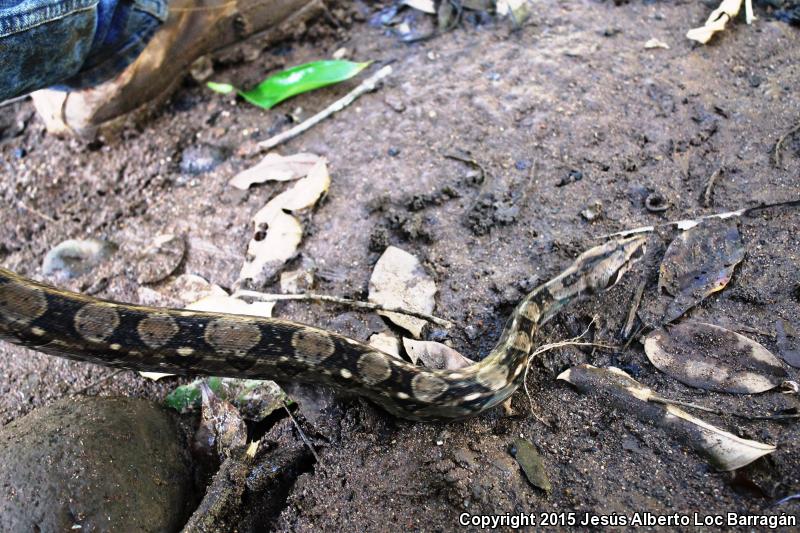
194 28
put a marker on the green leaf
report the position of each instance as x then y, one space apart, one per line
301 79
188 397
222 88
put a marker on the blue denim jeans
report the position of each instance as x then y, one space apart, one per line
72 43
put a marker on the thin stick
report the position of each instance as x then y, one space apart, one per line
302 434
712 180
781 139
12 101
264 297
666 401
36 212
368 85
99 381
637 299
692 222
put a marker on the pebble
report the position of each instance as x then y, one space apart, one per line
202 158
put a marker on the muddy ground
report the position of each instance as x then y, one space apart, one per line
573 94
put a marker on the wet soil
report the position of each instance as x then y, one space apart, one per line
566 114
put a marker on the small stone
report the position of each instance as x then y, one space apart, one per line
202 158
393 152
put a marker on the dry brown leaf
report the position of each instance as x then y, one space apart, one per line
275 167
724 450
699 262
398 280
435 355
386 343
713 358
726 11
277 233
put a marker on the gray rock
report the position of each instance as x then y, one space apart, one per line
99 463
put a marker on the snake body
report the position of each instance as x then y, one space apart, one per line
177 341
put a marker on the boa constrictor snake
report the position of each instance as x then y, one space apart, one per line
178 341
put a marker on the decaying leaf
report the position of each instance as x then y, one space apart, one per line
531 463
221 426
74 257
699 262
398 280
161 258
278 233
726 11
723 450
385 342
713 358
275 167
435 355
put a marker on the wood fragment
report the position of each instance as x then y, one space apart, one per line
368 85
708 194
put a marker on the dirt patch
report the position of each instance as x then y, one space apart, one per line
565 113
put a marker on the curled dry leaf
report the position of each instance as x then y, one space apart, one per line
278 233
723 450
276 167
726 11
161 258
531 463
435 355
385 342
699 262
398 280
713 358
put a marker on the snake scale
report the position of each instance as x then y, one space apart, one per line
178 341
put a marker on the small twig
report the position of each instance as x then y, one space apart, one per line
98 382
637 299
692 222
343 301
688 405
12 101
712 181
777 155
302 433
368 85
36 212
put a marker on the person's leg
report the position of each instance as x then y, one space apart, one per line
193 28
75 43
